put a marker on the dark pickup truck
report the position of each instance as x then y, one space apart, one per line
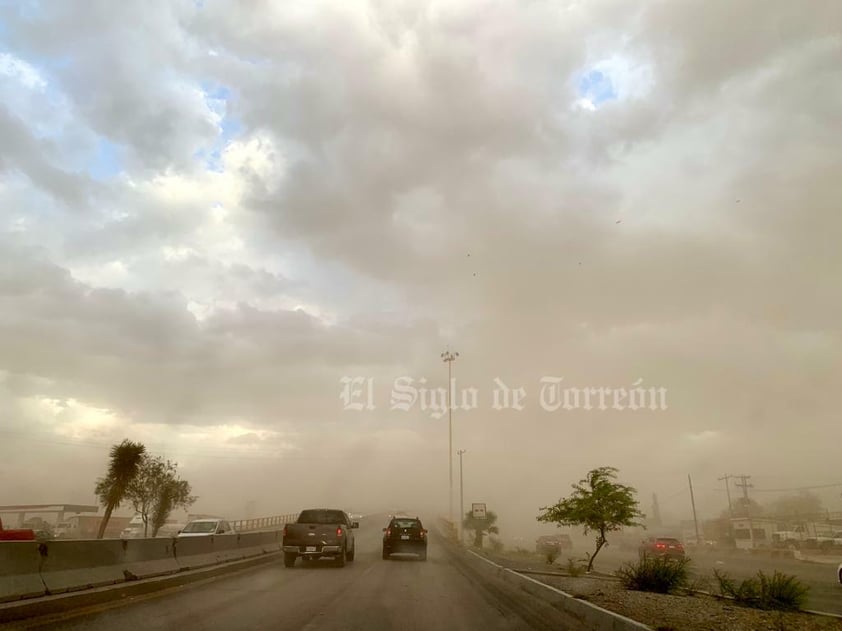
320 532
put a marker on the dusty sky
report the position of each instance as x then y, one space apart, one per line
212 212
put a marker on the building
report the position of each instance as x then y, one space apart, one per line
15 516
753 533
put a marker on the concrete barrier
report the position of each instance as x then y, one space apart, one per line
258 543
20 566
272 541
194 552
73 565
149 557
588 615
227 548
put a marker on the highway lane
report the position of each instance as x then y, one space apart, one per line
369 594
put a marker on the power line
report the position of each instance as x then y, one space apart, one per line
799 488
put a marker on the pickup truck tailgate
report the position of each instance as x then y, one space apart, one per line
313 537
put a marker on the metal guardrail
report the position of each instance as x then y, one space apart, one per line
263 523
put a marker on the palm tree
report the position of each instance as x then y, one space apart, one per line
480 526
123 468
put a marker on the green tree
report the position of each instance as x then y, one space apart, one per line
597 503
152 479
123 466
173 493
480 527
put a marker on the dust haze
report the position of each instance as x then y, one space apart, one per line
211 214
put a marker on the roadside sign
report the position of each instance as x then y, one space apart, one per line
478 510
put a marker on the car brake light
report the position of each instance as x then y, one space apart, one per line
660 545
388 533
338 532
423 533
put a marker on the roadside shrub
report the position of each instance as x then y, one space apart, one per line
781 592
575 568
550 556
496 545
659 574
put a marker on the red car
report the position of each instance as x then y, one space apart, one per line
16 535
661 547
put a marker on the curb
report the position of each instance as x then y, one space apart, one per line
51 605
590 615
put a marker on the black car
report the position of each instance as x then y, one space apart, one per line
405 535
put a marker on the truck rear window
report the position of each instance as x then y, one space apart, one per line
321 517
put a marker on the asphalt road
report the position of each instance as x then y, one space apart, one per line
825 591
369 594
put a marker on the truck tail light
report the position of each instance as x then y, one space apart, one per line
338 532
388 533
423 533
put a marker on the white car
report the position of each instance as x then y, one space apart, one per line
206 528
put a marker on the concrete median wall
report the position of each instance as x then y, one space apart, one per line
20 571
258 543
29 569
587 615
227 547
72 565
194 552
145 558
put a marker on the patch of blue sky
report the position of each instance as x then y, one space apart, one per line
106 161
212 157
215 91
218 97
597 87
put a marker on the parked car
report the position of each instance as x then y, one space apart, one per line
320 532
18 534
405 535
553 543
206 528
661 547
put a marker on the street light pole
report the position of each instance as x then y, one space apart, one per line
461 492
449 358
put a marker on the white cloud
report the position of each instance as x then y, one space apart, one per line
22 72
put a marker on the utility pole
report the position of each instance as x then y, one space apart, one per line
449 358
693 504
656 511
745 486
727 477
461 492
